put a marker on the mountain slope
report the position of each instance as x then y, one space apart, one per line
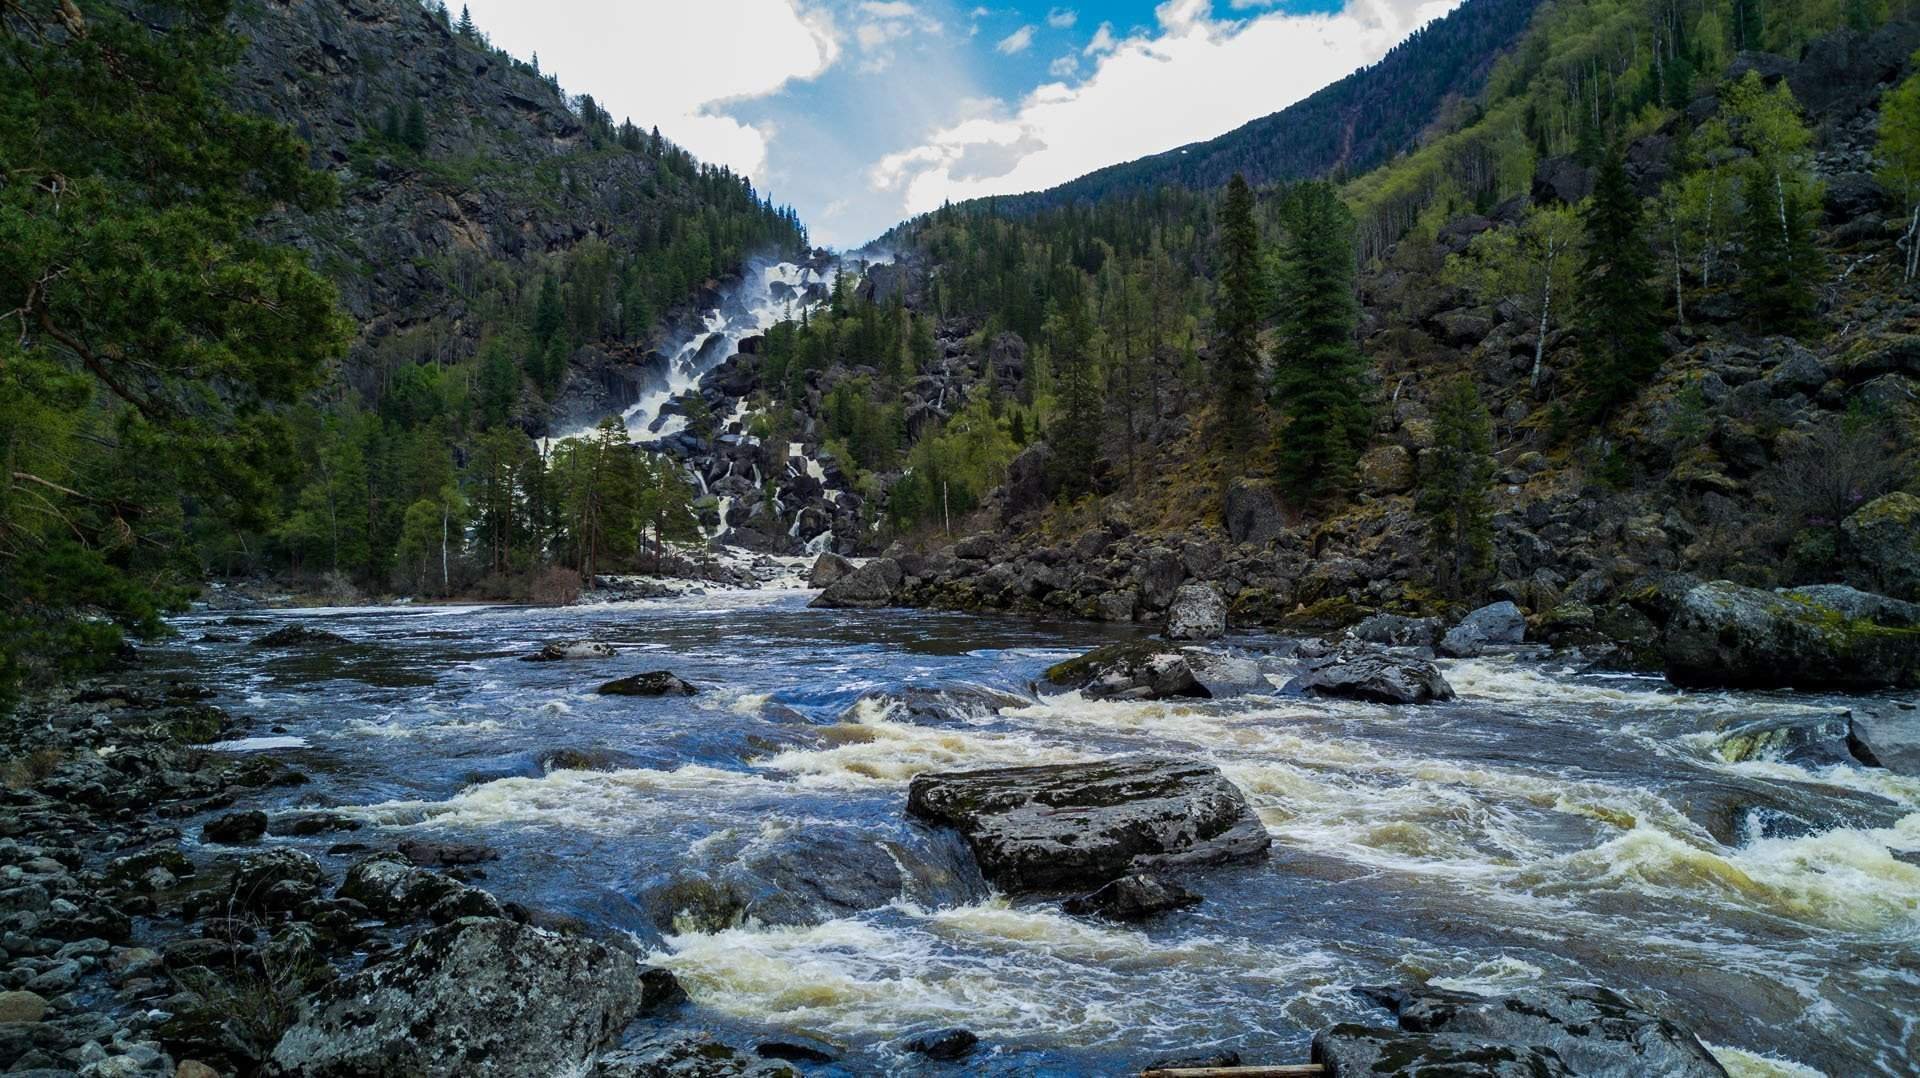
1350 126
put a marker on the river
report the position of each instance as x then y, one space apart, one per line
1546 827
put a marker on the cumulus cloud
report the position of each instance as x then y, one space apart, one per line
1016 41
1064 67
682 64
1061 18
1148 93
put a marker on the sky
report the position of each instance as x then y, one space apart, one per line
860 113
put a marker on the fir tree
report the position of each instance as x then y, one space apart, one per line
1076 434
1318 381
465 26
1619 317
1455 481
1778 261
1237 323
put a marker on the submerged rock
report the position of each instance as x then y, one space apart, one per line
481 996
235 827
1818 741
293 636
652 683
945 1045
1832 637
1381 679
563 650
1134 897
1140 670
871 586
1886 734
1500 623
1536 1032
1198 612
1063 827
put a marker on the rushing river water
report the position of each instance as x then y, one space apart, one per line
1546 827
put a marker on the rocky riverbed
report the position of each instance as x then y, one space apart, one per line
726 833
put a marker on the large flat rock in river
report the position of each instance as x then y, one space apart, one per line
1067 827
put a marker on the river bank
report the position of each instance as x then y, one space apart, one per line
1546 828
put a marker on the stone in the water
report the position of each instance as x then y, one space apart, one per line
1886 734
1396 631
827 568
481 996
1817 741
1141 670
1198 612
945 1045
293 636
871 586
1135 897
652 683
235 827
681 1054
393 889
1064 827
1721 634
1500 623
795 1050
1382 679
432 854
1582 1030
272 878
564 650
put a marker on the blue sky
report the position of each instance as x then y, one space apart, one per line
862 112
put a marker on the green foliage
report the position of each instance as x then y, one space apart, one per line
1531 266
1236 348
1620 313
156 336
1899 153
1318 376
1454 494
1076 431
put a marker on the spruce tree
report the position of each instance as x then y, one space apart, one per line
1237 318
1455 480
1076 434
465 25
1318 382
1778 261
1619 317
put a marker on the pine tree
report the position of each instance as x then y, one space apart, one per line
1455 480
1318 381
465 25
1237 320
1619 318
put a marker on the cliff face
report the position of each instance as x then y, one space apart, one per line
465 177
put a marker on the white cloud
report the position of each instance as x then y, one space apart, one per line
680 65
1062 18
1016 41
1065 67
1146 95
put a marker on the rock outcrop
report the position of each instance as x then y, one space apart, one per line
1067 827
1142 670
871 586
652 683
1826 637
1500 623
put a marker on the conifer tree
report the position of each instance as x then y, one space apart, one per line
1778 261
1318 382
1076 433
1237 320
1455 479
1619 317
465 25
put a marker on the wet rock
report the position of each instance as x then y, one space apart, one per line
296 636
1583 1030
1141 670
871 586
1067 827
652 683
827 568
1723 634
945 1045
1223 675
314 823
1394 630
796 1050
1883 539
481 996
1886 734
677 1054
432 854
275 879
1819 741
1500 623
1198 612
235 827
1135 897
564 650
1382 679
391 888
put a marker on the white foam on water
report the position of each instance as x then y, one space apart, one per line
257 744
611 802
1740 1063
868 749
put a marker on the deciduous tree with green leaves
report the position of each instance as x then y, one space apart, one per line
1899 152
1532 265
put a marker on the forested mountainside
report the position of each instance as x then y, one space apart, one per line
1352 126
285 272
1649 307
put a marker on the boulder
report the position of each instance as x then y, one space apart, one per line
445 853
1134 897
1396 631
481 996
945 1045
1253 512
652 683
827 568
1886 734
869 587
279 878
392 888
674 1053
1382 679
1141 670
234 828
1064 827
1198 612
1499 623
1029 481
1824 637
1883 541
1537 1032
1386 469
566 650
295 636
1810 741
